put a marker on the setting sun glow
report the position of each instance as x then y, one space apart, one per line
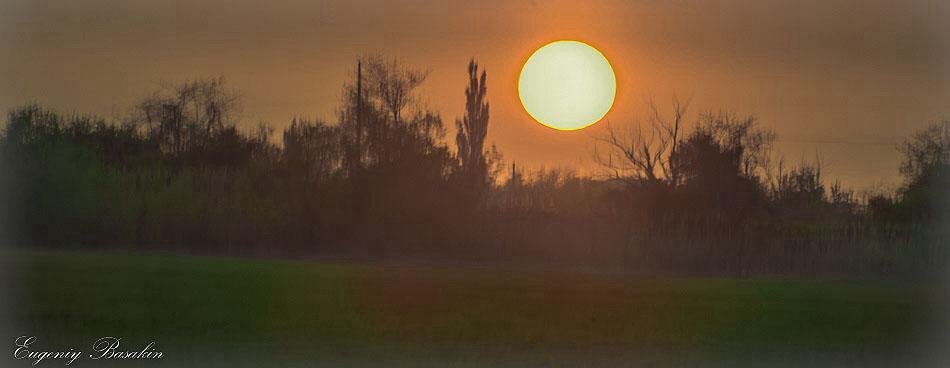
567 85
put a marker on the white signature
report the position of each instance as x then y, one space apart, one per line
107 347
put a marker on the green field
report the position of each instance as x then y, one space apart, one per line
229 312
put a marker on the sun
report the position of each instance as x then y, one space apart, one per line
567 85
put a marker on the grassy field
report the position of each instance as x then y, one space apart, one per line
233 312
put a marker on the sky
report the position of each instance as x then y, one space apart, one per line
841 80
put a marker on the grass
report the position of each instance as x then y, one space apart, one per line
253 312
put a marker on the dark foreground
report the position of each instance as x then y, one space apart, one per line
227 312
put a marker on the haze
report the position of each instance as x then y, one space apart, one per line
831 78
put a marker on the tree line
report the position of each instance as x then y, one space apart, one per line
677 195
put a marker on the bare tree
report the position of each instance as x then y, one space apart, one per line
635 156
380 112
393 84
188 115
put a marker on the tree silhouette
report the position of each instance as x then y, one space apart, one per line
926 169
186 119
180 174
393 84
471 132
637 157
927 151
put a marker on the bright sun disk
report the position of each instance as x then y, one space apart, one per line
567 85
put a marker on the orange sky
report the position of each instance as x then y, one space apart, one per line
845 80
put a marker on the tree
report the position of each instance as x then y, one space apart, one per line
393 84
800 192
926 169
471 132
720 161
636 157
393 149
374 113
749 146
311 150
927 151
185 119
